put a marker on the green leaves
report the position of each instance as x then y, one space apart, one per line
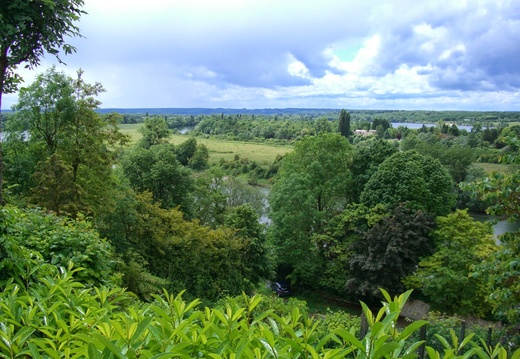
67 321
408 176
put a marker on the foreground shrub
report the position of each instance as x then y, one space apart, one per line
32 233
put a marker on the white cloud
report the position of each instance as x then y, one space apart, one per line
268 53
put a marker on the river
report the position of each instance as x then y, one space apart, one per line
500 227
416 126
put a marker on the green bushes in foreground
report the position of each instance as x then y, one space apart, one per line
57 317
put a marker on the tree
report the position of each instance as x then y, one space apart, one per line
368 156
502 269
335 243
322 125
75 145
158 171
446 277
312 187
389 251
344 123
200 158
186 150
28 29
155 131
385 124
456 159
411 177
208 263
244 219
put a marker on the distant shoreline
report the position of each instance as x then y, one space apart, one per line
272 111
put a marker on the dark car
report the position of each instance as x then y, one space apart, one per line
281 289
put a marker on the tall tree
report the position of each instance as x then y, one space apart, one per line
312 187
344 123
28 29
75 142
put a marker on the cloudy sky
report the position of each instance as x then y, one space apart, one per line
355 54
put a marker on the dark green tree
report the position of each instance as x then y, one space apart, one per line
385 124
29 29
186 150
344 123
389 251
410 177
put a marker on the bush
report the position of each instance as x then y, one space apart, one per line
58 241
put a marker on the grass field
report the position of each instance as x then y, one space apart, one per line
494 167
263 154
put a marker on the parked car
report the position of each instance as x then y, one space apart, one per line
281 289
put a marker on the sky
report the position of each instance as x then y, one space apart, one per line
353 54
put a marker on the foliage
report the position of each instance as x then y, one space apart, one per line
155 132
344 123
57 318
335 243
446 277
383 339
158 171
411 177
184 254
502 269
209 202
27 31
269 303
244 219
57 122
442 325
186 150
311 188
389 251
334 320
58 241
368 156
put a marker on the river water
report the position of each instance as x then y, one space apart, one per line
416 126
500 227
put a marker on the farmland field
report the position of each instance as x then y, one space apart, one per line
262 153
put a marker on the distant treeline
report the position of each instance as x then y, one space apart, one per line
192 116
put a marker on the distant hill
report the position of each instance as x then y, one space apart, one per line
211 111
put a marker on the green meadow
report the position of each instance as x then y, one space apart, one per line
262 153
494 167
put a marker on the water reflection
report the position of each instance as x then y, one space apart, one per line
499 226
